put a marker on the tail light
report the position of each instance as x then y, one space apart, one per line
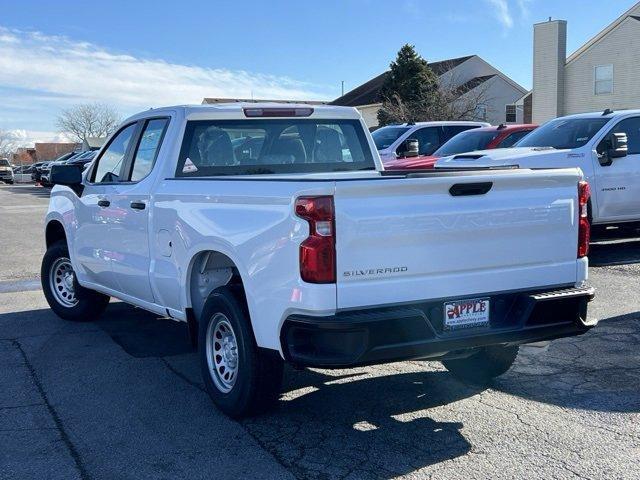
584 228
318 251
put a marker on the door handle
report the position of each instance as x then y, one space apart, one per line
464 189
138 205
104 203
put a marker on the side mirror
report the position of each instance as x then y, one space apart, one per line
410 148
69 175
614 146
618 145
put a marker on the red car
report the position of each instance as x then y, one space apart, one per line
485 138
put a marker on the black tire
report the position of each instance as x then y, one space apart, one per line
257 377
88 304
482 367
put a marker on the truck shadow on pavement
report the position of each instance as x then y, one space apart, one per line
614 247
598 371
356 425
30 189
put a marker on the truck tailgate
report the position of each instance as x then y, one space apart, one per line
410 239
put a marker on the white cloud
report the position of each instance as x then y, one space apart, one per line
523 6
27 138
81 72
501 12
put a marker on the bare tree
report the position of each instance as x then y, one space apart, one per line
453 100
7 144
88 120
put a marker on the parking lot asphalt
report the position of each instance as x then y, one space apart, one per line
121 397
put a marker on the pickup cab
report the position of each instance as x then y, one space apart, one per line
604 145
273 232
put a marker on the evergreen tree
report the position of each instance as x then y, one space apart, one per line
409 89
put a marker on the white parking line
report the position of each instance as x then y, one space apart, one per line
23 207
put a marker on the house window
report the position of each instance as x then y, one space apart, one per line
603 79
481 112
510 114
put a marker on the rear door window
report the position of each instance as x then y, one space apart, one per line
251 147
148 147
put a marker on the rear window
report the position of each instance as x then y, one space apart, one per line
4 163
385 136
251 147
467 141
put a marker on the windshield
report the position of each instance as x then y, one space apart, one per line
385 136
4 163
564 133
467 141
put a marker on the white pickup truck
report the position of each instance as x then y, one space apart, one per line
274 233
604 145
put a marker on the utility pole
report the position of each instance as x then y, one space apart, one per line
342 88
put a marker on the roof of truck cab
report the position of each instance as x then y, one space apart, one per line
600 113
439 123
235 110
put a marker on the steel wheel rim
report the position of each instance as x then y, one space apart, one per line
222 353
62 282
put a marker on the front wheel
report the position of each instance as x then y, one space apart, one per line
484 366
64 294
240 378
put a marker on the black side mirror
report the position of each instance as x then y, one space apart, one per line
613 146
68 175
409 148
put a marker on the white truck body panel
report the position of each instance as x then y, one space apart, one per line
520 234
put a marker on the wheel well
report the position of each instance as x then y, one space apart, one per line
54 233
210 270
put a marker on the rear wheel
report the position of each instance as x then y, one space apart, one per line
483 366
61 289
240 378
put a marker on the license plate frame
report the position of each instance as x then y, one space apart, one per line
466 313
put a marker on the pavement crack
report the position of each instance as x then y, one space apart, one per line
181 375
200 387
59 425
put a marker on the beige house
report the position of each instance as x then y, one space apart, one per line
469 75
601 74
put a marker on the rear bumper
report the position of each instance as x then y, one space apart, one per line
415 331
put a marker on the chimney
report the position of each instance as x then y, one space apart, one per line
549 58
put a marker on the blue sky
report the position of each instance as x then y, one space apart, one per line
137 54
